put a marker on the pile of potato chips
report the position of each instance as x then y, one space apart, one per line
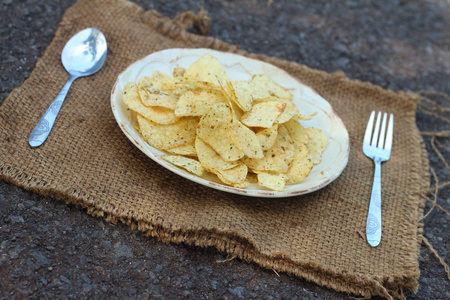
242 131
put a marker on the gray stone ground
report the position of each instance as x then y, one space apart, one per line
53 251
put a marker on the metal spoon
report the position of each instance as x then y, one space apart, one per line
83 55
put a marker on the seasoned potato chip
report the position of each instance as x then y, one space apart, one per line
297 133
274 182
207 68
210 159
252 177
197 103
290 111
276 159
265 85
167 136
318 143
160 115
230 95
301 165
163 82
163 99
159 82
227 89
132 99
260 93
243 91
145 82
189 164
214 128
267 136
242 185
178 72
246 140
263 114
265 99
235 177
303 117
194 85
186 149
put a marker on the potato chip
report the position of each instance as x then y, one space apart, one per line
207 68
227 89
303 117
274 182
243 91
189 164
267 136
163 99
260 93
290 111
145 82
197 103
265 85
297 133
301 165
178 72
195 85
163 82
159 82
263 114
230 96
242 185
246 140
132 99
214 128
235 177
210 159
318 143
186 149
265 99
167 136
160 115
276 159
252 177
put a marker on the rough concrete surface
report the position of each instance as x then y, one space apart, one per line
49 250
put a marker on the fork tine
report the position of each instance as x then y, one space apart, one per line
376 130
382 132
390 133
369 129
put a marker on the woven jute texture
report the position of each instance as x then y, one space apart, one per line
320 237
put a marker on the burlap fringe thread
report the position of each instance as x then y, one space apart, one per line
432 108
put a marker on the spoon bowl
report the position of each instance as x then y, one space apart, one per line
83 55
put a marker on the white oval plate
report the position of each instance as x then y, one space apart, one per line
334 158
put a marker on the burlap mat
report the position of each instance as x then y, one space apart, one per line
320 237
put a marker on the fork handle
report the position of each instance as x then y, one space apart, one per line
373 225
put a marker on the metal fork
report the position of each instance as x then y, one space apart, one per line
377 145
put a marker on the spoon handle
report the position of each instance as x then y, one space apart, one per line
45 125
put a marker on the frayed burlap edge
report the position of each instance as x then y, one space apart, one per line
235 246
